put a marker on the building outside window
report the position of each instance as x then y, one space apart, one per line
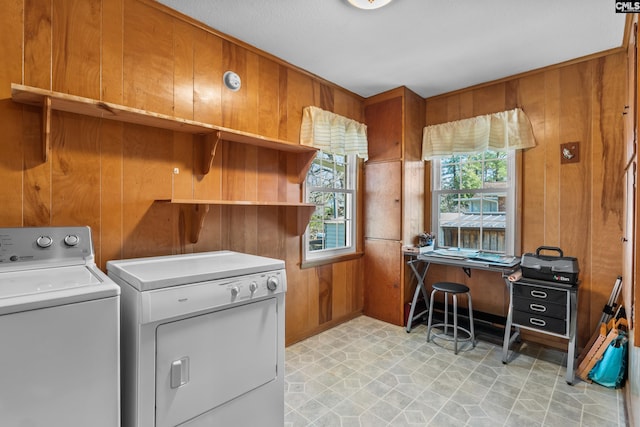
331 186
474 201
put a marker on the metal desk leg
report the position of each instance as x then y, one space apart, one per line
419 288
571 351
508 337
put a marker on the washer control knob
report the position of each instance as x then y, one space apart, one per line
44 241
71 240
234 291
253 286
272 283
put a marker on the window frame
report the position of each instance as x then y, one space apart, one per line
512 190
351 215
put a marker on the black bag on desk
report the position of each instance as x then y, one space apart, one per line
556 268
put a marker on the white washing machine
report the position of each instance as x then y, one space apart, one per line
59 331
202 340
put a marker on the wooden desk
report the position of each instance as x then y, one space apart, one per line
420 263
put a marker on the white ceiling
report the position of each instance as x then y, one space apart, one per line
430 46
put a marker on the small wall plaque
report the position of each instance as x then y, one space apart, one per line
570 152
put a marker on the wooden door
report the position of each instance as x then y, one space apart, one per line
383 278
384 129
383 204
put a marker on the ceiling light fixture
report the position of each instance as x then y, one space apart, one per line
369 4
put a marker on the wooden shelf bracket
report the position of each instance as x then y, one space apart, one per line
209 146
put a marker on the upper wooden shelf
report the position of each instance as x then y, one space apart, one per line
236 203
50 100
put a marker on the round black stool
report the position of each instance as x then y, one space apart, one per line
454 289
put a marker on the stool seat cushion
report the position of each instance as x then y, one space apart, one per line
454 288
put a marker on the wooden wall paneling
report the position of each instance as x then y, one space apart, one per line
489 99
271 242
348 105
207 78
608 178
576 178
413 195
76 29
268 98
111 193
183 160
11 163
240 108
239 172
239 181
283 103
413 181
37 43
147 172
148 65
290 187
552 124
75 171
325 279
630 109
241 228
489 293
11 25
414 124
466 106
534 214
302 312
211 235
436 111
182 187
340 290
36 188
512 92
348 296
112 51
299 94
11 149
268 172
183 73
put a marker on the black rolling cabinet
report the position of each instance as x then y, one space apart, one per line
546 307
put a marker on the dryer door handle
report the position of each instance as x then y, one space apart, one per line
179 372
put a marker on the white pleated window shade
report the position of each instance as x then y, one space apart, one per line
333 133
503 131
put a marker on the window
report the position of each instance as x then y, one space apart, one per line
474 201
330 185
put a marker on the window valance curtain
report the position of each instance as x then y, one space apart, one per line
506 130
333 133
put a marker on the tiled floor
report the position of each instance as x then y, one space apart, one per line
369 373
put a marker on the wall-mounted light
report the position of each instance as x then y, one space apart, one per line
232 81
369 4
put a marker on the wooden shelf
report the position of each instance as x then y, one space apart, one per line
50 100
210 136
200 208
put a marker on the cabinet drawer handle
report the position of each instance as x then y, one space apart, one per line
537 322
538 294
538 308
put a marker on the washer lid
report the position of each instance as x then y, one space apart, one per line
47 287
171 270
